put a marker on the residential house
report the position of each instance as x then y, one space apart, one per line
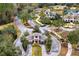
50 14
59 9
71 17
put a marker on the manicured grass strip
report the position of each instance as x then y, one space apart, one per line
36 50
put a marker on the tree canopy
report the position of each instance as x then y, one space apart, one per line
7 37
73 37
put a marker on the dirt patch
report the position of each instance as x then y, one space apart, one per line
63 51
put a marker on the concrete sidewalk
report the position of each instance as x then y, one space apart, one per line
69 50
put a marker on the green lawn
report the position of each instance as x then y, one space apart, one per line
36 50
